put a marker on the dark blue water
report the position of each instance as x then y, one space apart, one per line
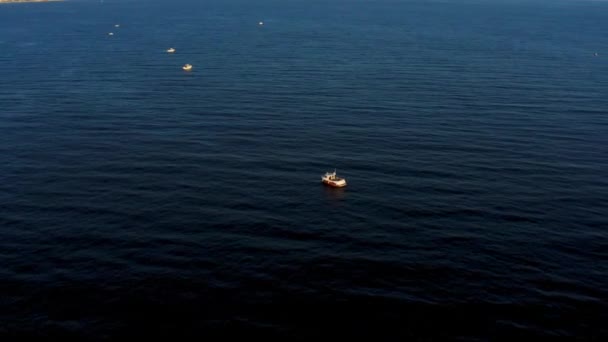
138 200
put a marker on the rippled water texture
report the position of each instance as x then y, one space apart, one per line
137 199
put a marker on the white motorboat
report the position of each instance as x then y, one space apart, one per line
331 179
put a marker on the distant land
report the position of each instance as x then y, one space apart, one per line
11 1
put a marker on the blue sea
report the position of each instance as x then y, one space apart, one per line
138 200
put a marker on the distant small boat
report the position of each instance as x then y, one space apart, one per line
171 50
187 67
595 54
116 25
261 23
332 180
111 34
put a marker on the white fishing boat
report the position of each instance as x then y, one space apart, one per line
187 67
171 50
332 180
110 33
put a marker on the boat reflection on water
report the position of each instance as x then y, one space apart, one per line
334 194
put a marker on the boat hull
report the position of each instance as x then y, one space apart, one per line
335 184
